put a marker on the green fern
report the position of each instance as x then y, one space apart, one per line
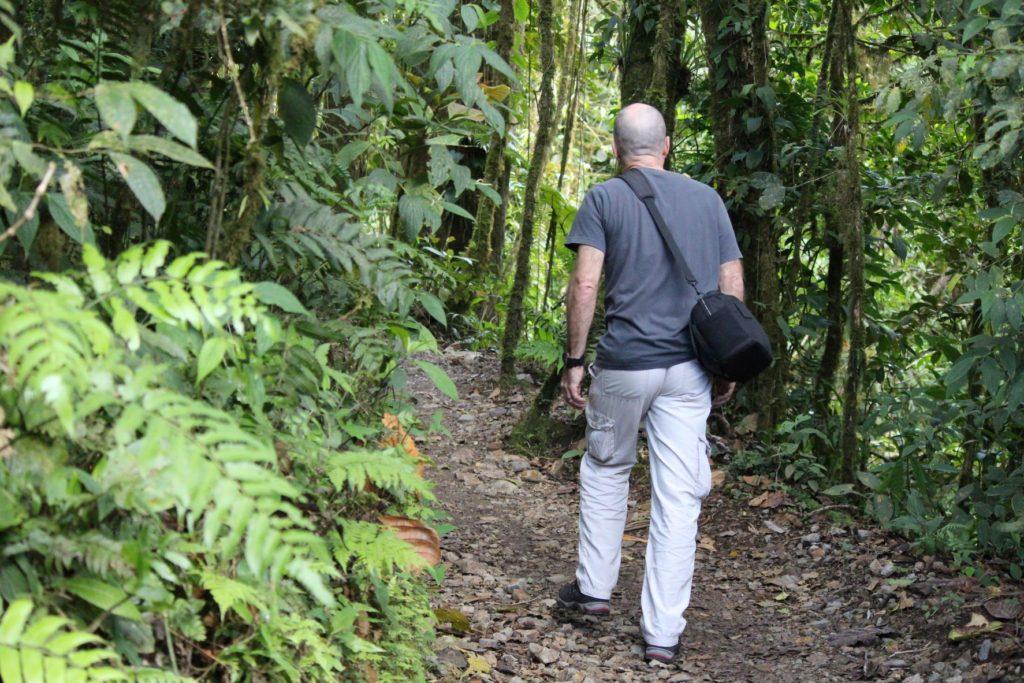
48 648
389 469
373 548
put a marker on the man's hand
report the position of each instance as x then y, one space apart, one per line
722 391
572 387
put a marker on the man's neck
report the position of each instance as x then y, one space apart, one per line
644 162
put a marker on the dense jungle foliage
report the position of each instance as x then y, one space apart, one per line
229 228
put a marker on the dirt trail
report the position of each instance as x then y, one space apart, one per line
778 595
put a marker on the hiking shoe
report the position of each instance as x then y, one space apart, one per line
657 653
571 597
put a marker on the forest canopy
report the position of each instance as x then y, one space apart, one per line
230 229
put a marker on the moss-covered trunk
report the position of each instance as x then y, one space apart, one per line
742 125
546 123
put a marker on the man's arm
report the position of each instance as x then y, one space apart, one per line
730 281
730 278
581 301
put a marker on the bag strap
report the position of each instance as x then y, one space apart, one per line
641 187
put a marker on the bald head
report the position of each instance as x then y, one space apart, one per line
639 132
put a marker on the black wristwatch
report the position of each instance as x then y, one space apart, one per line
571 362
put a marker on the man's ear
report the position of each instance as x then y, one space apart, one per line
667 146
615 150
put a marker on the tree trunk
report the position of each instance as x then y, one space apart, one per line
745 145
851 216
481 249
568 96
538 160
652 70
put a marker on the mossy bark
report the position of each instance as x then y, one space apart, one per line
546 123
738 58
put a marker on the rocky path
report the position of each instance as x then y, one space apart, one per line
779 594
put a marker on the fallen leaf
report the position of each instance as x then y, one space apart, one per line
1006 609
717 477
458 621
477 665
707 543
859 636
423 539
978 625
977 621
772 526
768 499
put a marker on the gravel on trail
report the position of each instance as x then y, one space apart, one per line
780 593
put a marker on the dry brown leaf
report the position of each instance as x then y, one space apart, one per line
1007 609
768 499
707 543
421 537
717 477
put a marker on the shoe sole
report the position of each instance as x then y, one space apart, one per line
658 657
598 609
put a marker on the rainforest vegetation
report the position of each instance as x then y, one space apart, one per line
231 229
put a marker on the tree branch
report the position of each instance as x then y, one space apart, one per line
30 210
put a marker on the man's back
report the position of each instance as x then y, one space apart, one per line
647 301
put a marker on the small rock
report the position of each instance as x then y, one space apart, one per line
880 567
450 659
811 538
913 678
544 655
984 650
558 578
863 534
502 487
531 476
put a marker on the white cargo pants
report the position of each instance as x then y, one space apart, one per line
674 404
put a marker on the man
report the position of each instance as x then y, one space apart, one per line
645 370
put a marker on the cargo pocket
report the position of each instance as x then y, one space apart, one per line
703 467
600 435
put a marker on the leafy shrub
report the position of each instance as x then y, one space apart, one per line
196 481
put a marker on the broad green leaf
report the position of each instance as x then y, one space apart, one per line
297 110
172 114
276 295
870 480
974 27
210 356
521 8
104 596
169 149
117 109
351 152
470 17
143 183
12 625
440 378
24 94
433 306
65 220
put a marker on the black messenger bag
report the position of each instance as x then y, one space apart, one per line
728 340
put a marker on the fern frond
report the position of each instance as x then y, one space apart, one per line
44 647
374 548
389 469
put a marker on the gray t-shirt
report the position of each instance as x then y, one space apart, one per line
647 301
